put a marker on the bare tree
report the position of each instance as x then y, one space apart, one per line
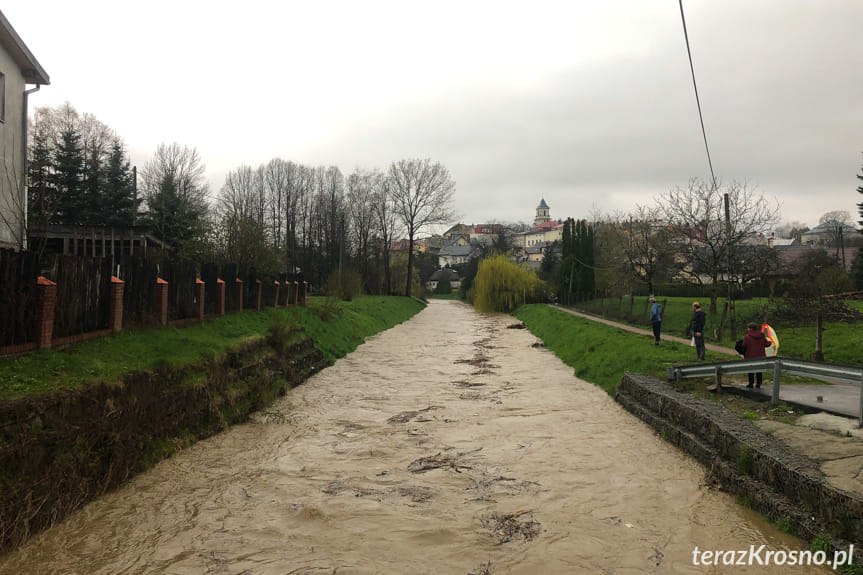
387 221
648 247
13 203
175 190
422 193
708 223
792 231
835 223
361 186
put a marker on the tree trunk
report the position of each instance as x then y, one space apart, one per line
410 264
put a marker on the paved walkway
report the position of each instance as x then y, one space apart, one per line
836 398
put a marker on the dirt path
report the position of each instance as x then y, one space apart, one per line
626 327
449 444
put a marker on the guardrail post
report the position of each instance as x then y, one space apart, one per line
718 378
860 413
777 375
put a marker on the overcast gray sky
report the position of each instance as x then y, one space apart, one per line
588 104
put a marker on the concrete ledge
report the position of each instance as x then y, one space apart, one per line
775 480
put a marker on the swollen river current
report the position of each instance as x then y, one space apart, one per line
449 444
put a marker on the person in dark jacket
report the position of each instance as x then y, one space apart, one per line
656 319
754 344
699 319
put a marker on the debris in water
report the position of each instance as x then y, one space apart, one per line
484 569
507 526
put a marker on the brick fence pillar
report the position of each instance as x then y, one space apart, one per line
296 292
305 293
117 288
199 296
162 301
45 317
239 287
276 295
289 297
221 303
260 288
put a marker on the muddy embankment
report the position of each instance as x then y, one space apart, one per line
760 470
60 451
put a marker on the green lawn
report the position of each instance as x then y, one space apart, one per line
840 339
600 353
109 358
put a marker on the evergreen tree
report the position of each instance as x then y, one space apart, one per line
119 188
68 176
93 208
42 197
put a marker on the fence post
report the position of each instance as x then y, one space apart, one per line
47 300
117 287
260 294
276 295
238 283
221 303
199 294
777 375
305 293
296 292
162 301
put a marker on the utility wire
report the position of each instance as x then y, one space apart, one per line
697 100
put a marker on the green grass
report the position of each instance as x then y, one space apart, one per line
840 340
109 358
350 323
600 353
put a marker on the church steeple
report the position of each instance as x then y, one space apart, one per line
542 213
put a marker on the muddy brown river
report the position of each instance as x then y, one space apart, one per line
449 444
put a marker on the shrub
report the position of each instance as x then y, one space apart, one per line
344 285
502 285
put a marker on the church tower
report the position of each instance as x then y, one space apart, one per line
542 213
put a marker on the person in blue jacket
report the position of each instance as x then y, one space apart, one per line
655 319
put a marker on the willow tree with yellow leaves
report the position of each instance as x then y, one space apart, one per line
502 285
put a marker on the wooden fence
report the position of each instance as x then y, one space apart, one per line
67 298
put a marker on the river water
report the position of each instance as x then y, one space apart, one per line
449 444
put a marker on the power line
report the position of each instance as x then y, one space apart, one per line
697 99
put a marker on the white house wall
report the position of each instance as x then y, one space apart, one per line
12 196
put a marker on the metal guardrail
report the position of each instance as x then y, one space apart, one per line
824 371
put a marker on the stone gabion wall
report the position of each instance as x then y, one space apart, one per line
777 482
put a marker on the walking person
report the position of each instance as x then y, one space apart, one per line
754 344
655 319
699 319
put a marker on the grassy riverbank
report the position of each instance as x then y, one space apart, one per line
840 339
600 353
336 327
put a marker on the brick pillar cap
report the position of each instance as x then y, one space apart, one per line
116 280
276 282
43 281
220 281
160 281
258 282
296 283
238 280
198 281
